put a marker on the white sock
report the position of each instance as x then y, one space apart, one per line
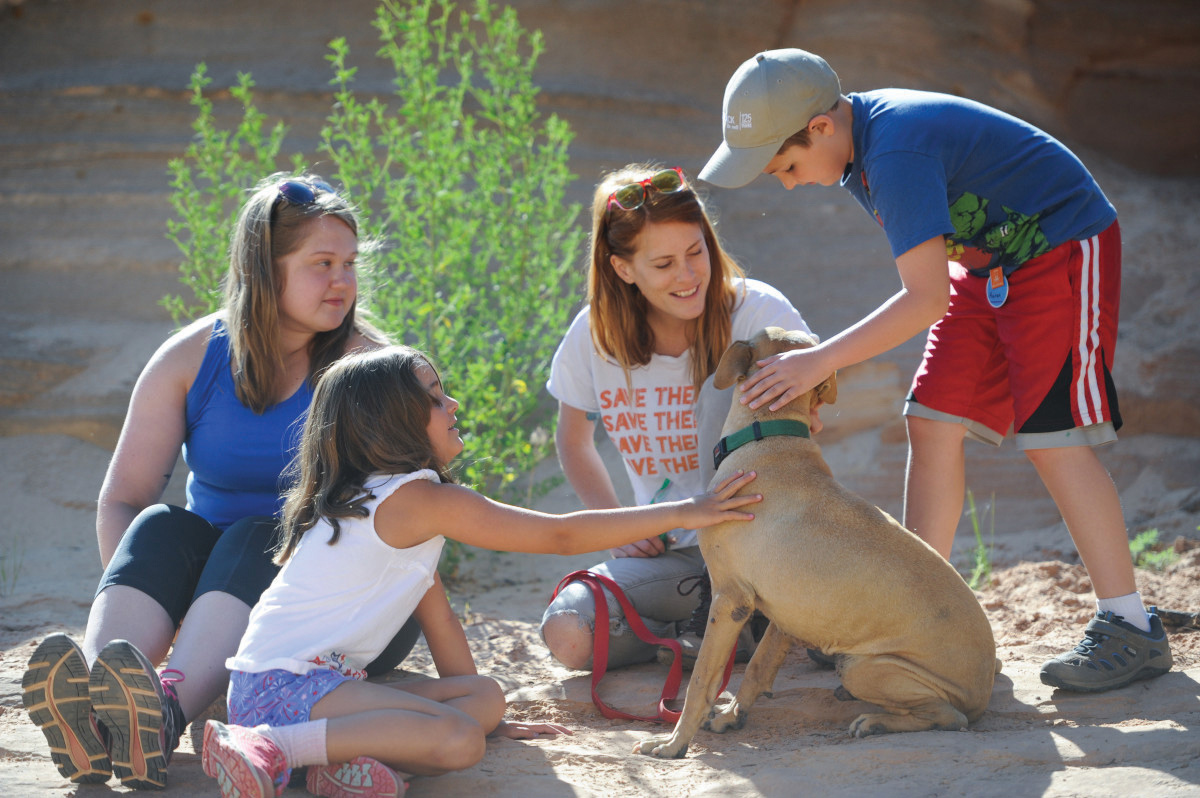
1129 607
302 744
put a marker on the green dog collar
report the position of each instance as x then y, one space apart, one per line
756 432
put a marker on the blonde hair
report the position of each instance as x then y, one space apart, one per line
618 309
369 415
266 230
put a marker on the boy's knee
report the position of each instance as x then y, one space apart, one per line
927 433
569 639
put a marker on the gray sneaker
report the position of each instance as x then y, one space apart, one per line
692 636
55 693
819 658
1112 654
689 646
143 719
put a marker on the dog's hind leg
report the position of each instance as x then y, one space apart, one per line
934 714
909 695
726 617
760 675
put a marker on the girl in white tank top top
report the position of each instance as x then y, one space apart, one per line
363 529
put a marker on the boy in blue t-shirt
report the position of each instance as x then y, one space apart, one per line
1006 245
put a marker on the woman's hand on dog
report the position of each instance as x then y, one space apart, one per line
650 547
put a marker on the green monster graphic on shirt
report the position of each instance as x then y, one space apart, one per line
975 244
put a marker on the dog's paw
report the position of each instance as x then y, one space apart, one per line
732 718
941 717
866 725
659 746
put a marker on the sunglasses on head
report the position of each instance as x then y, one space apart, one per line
632 196
301 192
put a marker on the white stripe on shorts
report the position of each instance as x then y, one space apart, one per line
1087 387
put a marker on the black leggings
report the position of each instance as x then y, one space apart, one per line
174 556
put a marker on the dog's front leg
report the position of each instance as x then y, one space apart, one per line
760 675
719 640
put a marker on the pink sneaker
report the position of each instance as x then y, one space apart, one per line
245 763
361 777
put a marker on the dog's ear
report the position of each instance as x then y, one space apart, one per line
826 392
734 364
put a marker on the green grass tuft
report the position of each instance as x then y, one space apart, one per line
981 555
1148 553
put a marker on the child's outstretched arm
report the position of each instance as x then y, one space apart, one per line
421 509
919 304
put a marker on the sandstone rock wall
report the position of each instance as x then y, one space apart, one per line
93 103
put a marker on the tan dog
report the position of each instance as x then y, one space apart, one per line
827 568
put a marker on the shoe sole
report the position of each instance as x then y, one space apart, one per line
55 694
125 701
361 777
666 656
818 658
1145 672
224 761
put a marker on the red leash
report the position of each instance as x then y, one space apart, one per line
596 582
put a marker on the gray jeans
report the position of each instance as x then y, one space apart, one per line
652 586
651 583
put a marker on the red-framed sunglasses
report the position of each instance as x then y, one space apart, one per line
632 196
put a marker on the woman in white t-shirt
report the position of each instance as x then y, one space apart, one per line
664 302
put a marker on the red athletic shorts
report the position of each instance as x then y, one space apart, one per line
1040 363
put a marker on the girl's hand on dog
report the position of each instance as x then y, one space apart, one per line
712 507
720 504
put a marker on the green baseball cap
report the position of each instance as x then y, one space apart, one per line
771 96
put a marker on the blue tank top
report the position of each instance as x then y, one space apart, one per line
237 457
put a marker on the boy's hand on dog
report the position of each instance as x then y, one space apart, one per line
781 378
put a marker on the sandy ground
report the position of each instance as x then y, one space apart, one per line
1140 740
87 136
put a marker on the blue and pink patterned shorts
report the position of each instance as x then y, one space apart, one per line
279 697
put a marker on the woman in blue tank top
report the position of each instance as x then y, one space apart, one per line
230 391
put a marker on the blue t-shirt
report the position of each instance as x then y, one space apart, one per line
1000 190
237 457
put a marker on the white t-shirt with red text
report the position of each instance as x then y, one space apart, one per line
654 426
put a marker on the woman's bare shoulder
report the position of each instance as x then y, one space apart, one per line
182 353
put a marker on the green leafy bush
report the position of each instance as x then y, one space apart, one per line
463 183
209 184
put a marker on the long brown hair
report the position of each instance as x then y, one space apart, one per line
266 230
369 415
618 309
